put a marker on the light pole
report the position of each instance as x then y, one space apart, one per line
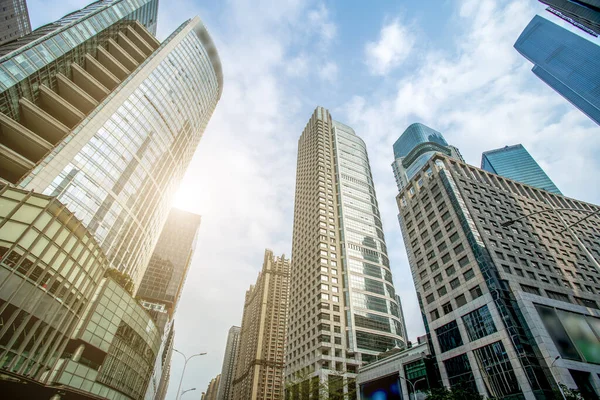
508 223
411 384
185 391
184 365
557 382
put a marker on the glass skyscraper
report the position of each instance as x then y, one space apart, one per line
343 311
101 115
515 162
414 148
584 13
566 62
14 20
98 122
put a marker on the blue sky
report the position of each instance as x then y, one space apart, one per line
377 66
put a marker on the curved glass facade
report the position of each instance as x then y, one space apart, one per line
374 323
49 267
414 135
119 169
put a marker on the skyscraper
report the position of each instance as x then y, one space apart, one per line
261 349
584 13
344 310
414 147
515 162
566 62
229 364
165 275
508 278
213 387
101 115
14 20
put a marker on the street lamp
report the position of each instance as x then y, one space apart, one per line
185 391
413 384
508 223
184 365
552 372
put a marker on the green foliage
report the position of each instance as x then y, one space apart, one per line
570 394
452 394
121 279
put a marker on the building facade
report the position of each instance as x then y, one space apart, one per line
14 20
101 115
213 388
508 280
159 383
165 275
344 310
566 62
396 376
580 13
229 364
261 348
515 162
414 147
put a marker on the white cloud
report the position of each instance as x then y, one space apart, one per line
319 19
298 66
394 45
329 71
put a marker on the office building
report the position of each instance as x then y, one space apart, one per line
414 147
515 162
566 62
337 237
261 348
101 115
229 364
584 14
508 280
401 369
159 383
165 275
14 20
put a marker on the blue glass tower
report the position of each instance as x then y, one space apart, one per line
568 63
584 14
515 162
414 148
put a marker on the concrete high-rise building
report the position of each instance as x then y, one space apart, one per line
343 311
101 115
261 349
508 280
584 14
229 364
414 148
213 388
165 275
515 162
14 20
566 62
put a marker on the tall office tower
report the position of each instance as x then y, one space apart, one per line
229 364
159 382
14 20
414 148
343 311
508 279
213 387
566 62
165 275
584 14
95 111
515 162
404 333
260 356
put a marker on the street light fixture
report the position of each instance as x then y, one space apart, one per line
185 391
557 382
184 366
413 384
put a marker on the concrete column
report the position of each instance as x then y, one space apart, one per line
42 123
76 96
12 165
88 83
21 140
130 48
121 55
59 108
139 41
112 64
148 37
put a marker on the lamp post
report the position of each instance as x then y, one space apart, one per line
183 372
558 383
411 384
508 223
185 391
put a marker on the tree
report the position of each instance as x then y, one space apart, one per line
452 394
121 279
570 394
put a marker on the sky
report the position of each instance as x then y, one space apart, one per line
378 66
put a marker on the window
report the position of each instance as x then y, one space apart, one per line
530 289
447 308
469 274
497 370
442 291
479 323
459 249
430 298
558 296
446 258
454 283
460 300
586 302
450 271
463 261
435 314
448 336
459 372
